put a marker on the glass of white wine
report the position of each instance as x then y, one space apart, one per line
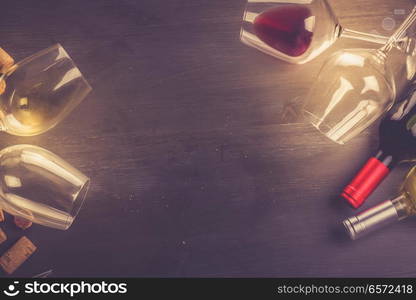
40 91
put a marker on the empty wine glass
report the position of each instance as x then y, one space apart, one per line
295 31
41 187
355 87
40 91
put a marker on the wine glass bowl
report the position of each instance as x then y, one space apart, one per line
357 86
295 31
41 187
354 89
40 91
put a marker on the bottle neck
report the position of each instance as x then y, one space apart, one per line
368 178
377 217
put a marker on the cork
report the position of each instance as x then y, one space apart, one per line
1 211
6 61
2 86
3 236
22 222
17 255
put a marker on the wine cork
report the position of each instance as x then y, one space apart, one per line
1 213
17 255
6 61
2 86
3 236
22 222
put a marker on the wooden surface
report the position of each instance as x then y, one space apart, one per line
199 163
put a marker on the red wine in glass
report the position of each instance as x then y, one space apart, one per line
284 29
293 30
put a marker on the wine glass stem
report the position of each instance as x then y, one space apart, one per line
400 33
362 36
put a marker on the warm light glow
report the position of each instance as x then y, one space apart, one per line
310 23
72 74
61 53
13 122
12 181
23 101
348 59
364 109
250 16
370 84
344 87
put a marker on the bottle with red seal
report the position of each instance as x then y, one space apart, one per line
397 143
386 212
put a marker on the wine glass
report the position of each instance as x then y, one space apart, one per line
40 91
355 87
295 31
37 185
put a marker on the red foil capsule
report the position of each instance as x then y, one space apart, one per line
366 181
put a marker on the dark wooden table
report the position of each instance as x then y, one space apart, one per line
199 163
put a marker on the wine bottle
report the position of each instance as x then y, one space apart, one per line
397 142
387 212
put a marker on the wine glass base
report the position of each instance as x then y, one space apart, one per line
324 128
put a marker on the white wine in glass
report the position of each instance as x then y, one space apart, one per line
40 91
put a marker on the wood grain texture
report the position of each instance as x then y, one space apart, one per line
199 164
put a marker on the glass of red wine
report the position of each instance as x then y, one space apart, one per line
356 86
295 31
